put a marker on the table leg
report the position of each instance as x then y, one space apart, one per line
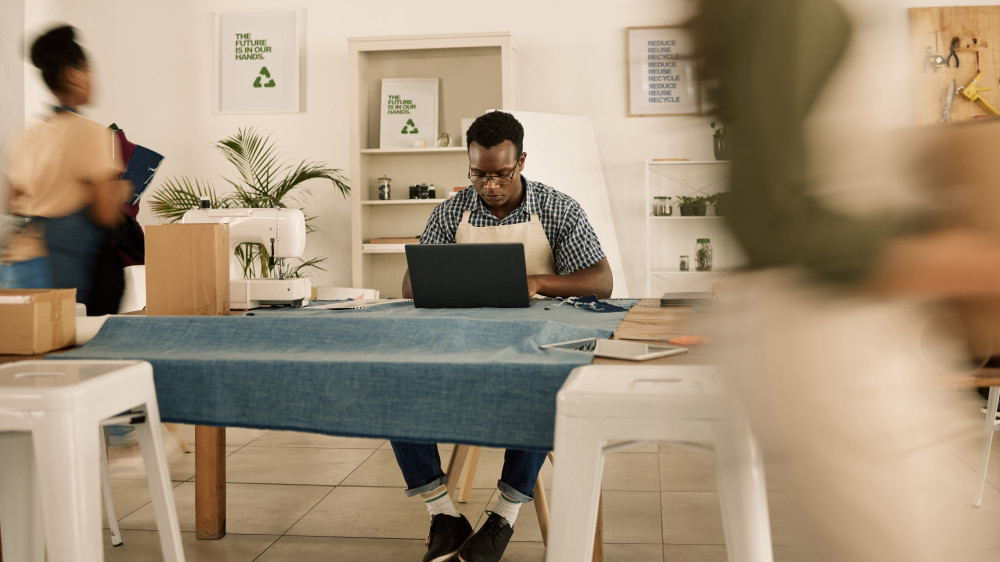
210 482
599 531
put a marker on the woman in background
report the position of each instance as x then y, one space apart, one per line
62 174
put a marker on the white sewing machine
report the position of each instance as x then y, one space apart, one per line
282 232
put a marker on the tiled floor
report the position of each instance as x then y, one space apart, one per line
302 497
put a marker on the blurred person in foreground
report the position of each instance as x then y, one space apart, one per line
828 334
62 175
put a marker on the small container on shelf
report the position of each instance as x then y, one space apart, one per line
382 188
662 206
703 255
684 263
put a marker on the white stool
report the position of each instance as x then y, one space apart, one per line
992 425
50 464
602 403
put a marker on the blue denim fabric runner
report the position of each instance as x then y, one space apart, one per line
472 376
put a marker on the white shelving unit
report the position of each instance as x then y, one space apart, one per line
668 238
477 72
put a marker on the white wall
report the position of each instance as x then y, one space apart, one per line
154 64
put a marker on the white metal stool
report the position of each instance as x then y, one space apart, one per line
50 462
599 404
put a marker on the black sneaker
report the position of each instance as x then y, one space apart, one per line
488 544
446 537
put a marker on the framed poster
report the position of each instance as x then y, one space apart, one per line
409 112
258 62
661 72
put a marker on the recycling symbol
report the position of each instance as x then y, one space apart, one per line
264 73
407 130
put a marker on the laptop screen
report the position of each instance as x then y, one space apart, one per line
467 275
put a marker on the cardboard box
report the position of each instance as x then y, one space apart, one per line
34 321
187 270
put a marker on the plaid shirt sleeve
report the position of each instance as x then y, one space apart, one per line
577 246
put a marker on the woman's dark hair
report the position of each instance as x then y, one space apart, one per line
491 129
54 52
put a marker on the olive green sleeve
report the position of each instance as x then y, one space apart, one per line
780 54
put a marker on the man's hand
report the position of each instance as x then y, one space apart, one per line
595 280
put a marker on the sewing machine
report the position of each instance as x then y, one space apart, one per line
282 232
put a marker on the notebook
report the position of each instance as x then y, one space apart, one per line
467 275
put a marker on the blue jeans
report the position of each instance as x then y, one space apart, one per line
421 466
30 274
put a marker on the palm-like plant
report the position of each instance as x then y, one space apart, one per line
264 182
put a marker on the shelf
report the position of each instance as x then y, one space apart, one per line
383 248
686 162
420 151
402 202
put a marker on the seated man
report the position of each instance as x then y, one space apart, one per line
563 258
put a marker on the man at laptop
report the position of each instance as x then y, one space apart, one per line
563 259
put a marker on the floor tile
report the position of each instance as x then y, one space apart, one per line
632 472
632 517
266 509
128 496
125 462
325 549
293 465
524 551
144 546
298 439
376 512
692 518
379 469
693 553
687 471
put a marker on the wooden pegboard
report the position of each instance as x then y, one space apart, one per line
978 30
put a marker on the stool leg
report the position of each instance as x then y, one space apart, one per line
542 510
742 493
469 474
20 516
109 504
67 457
154 456
576 489
990 427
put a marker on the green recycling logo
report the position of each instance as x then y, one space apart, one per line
407 130
264 73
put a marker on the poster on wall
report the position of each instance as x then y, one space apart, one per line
661 73
258 65
409 112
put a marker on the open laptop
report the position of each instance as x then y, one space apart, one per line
467 275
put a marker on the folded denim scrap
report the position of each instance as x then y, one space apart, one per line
590 303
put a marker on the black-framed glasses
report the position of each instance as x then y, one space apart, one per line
481 181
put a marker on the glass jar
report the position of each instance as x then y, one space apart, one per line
684 263
382 188
703 255
662 207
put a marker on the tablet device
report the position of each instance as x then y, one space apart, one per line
617 349
467 275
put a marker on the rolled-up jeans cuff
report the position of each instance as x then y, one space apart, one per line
511 493
433 484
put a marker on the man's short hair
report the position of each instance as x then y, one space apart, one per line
491 129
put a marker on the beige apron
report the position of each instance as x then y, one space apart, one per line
538 256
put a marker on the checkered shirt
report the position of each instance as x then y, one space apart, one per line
573 241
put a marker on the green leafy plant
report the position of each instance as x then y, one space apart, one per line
694 205
263 181
720 201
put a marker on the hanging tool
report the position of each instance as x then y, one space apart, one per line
972 91
934 60
948 101
954 43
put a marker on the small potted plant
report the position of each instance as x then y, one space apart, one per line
719 138
694 206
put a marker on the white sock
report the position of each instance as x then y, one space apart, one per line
507 507
438 501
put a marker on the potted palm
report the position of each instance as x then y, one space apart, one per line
263 181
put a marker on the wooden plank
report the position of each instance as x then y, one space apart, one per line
931 31
210 482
